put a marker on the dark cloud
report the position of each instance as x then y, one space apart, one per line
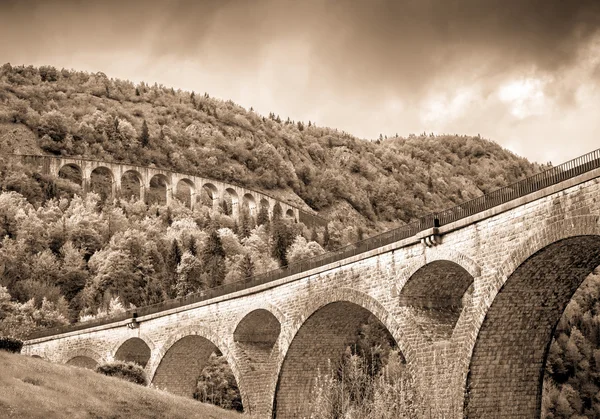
366 66
378 44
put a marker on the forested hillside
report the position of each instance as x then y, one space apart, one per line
65 257
373 184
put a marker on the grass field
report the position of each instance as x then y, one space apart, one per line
33 388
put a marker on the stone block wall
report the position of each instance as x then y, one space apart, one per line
503 276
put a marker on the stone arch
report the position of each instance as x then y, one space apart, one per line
321 332
249 201
71 172
512 332
434 297
264 203
277 210
230 201
185 191
209 195
158 189
434 255
134 350
83 362
257 334
182 357
102 182
132 185
82 357
290 213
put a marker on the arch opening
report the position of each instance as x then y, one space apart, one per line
435 296
185 192
182 371
157 191
249 202
134 350
71 173
83 362
230 202
209 195
507 364
131 185
256 335
102 182
290 213
322 346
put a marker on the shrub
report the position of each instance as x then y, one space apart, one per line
11 344
129 371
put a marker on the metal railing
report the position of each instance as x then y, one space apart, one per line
304 215
553 176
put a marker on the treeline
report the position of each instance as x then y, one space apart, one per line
373 184
572 376
69 257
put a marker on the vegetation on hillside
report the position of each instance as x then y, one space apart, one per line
373 184
33 388
572 376
65 257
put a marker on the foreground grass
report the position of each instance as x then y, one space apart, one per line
33 388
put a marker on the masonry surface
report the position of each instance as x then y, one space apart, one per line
473 314
126 180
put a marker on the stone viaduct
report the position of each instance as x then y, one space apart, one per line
471 296
165 183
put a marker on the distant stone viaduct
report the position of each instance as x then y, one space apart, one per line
471 301
164 183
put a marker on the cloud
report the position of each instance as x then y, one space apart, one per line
502 68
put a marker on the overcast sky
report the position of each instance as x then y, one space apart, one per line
525 74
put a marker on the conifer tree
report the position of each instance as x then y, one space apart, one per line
213 260
246 221
247 267
172 262
193 246
263 216
326 238
144 136
277 212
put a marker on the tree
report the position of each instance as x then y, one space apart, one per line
144 135
213 260
246 222
301 249
277 212
193 246
189 275
247 267
326 237
281 238
54 124
217 384
173 260
263 215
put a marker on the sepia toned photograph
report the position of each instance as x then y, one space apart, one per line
299 209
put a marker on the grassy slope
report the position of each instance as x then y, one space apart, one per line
33 388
